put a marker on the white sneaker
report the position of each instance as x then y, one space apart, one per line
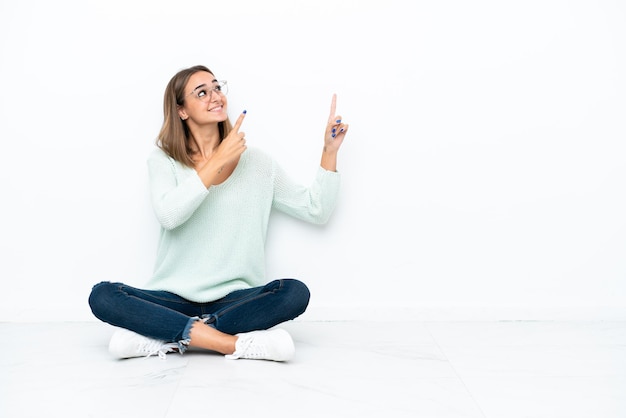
275 345
128 344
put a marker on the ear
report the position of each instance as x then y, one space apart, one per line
182 114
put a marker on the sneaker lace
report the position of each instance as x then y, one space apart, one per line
151 347
252 350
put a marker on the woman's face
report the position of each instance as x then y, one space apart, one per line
203 104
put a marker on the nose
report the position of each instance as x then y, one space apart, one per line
215 96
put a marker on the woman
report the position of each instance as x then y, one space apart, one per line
212 196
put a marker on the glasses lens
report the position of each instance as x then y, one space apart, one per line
222 87
205 94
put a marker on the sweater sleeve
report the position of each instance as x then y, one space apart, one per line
313 204
175 195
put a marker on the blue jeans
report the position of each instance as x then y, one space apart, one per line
166 316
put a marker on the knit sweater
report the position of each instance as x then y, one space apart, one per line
212 240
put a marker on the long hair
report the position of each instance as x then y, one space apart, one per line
174 137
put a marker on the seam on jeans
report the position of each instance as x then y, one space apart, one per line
225 299
152 295
243 302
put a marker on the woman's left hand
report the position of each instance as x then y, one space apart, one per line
335 130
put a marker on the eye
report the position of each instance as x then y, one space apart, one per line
217 88
202 93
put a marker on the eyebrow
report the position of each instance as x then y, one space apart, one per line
203 85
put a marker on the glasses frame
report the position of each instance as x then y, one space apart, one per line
218 87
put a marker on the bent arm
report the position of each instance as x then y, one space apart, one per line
312 204
174 198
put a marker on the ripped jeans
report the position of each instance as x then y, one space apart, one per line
166 316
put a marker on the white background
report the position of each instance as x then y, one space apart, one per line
483 175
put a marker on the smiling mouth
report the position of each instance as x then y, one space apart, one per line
216 108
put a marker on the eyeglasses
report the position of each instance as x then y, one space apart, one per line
204 92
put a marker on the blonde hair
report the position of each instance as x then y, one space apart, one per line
174 137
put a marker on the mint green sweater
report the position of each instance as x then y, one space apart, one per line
212 241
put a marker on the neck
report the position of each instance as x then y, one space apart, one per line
204 140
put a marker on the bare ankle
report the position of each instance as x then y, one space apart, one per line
204 336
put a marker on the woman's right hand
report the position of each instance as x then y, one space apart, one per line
233 145
225 157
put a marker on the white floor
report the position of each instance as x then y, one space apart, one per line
341 369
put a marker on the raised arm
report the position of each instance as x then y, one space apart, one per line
334 135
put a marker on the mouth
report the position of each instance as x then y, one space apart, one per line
217 108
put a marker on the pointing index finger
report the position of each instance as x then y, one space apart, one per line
333 105
239 121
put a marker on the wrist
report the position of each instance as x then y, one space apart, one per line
329 160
